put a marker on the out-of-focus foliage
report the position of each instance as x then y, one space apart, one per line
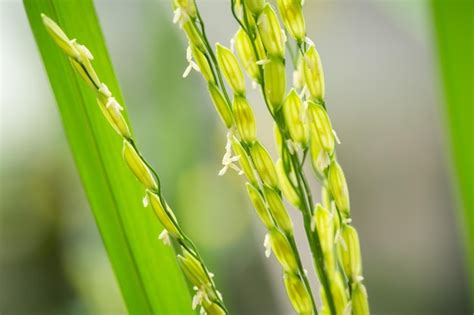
454 25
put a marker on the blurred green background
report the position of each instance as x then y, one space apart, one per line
385 100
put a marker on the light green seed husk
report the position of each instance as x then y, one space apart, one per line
360 303
193 35
275 83
193 269
221 105
270 32
293 114
230 69
264 165
338 187
203 64
278 210
339 294
260 207
282 249
61 39
323 221
246 53
164 214
293 19
138 167
285 185
244 161
314 74
213 309
244 119
320 126
298 294
115 119
349 250
255 6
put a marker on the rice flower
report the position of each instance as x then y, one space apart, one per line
314 74
282 249
293 19
298 294
230 69
278 210
244 119
264 165
259 205
275 82
138 167
320 126
293 114
270 32
338 187
221 105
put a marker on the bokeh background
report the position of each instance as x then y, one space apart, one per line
383 95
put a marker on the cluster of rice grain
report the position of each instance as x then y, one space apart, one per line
302 128
189 259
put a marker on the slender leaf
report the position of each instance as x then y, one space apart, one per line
146 270
454 23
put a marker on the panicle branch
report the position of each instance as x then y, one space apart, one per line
192 264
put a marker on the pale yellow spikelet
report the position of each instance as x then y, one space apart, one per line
320 126
164 214
259 205
278 210
293 114
275 82
244 119
282 249
138 166
230 69
338 187
314 74
298 294
285 185
360 303
221 105
264 165
270 32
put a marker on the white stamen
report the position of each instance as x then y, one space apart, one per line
309 41
336 137
263 62
323 160
283 36
146 201
268 245
191 64
112 102
165 237
228 160
199 297
232 44
178 13
254 85
103 89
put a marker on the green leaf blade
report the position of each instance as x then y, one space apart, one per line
146 270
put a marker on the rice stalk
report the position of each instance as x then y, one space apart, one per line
207 296
302 128
265 186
